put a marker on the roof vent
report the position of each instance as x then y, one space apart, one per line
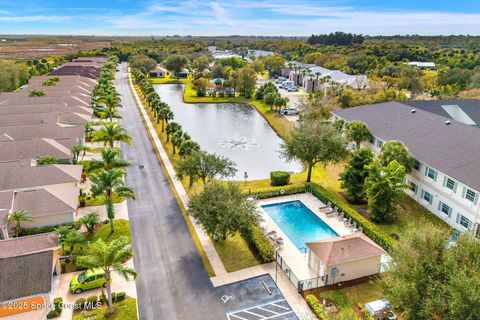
448 122
413 110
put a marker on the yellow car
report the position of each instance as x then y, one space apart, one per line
87 280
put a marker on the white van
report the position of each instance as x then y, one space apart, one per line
287 84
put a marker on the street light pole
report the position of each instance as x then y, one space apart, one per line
245 175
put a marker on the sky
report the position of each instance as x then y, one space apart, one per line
234 17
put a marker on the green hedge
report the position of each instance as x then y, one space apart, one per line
120 296
44 229
316 307
57 303
261 244
369 228
279 178
277 191
80 302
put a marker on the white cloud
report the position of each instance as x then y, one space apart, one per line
35 18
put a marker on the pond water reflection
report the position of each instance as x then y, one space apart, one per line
236 131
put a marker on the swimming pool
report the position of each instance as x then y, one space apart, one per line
298 222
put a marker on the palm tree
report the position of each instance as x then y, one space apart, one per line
165 114
107 183
111 101
78 148
109 257
62 233
110 160
16 218
171 128
73 238
178 137
110 114
90 221
110 133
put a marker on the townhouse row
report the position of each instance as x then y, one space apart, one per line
443 137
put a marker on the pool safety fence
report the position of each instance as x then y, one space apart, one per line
301 285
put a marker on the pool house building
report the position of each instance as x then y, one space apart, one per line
316 245
445 178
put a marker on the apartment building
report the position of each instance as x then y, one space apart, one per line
445 178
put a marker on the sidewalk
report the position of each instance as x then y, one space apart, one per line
121 211
207 244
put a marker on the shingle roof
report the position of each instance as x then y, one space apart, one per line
43 108
26 275
34 149
51 131
27 265
40 202
352 247
26 245
470 106
452 149
71 118
28 176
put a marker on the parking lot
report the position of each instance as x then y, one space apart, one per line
255 299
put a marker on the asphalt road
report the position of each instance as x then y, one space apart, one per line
172 282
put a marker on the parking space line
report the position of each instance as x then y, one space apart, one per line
268 310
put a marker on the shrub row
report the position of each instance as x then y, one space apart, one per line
44 229
57 311
277 191
116 297
279 178
262 246
369 228
316 307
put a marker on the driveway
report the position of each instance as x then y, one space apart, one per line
172 282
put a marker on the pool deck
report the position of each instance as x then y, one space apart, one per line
296 260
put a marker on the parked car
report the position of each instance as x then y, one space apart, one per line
280 80
286 84
292 89
87 280
289 111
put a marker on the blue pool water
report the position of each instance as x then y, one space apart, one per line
298 222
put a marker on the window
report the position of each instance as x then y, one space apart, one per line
464 221
432 174
427 196
379 143
470 195
372 139
450 184
417 165
443 207
413 187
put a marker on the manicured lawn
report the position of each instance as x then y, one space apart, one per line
100 200
121 228
95 150
168 80
124 310
236 253
347 299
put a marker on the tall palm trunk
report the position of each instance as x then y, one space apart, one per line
110 211
109 293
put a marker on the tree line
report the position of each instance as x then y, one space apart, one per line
337 38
